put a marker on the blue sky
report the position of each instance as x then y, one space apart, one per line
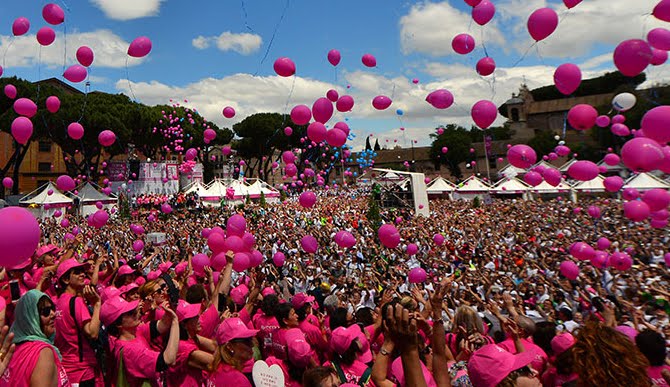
210 53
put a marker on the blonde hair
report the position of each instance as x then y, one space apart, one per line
221 355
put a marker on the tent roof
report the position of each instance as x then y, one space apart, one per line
545 187
611 168
645 181
196 187
564 167
439 185
473 184
44 198
88 193
215 189
510 170
508 185
593 185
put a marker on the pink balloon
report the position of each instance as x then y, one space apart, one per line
613 183
290 170
473 3
199 261
656 124
191 154
316 132
166 208
444 149
85 56
7 182
226 150
484 113
99 219
138 245
19 235
594 212
284 67
228 112
381 102
569 270
632 56
278 259
567 78
53 14
621 261
209 134
307 199
216 242
658 223
256 258
659 38
332 95
417 275
336 137
10 91
288 131
343 127
345 103
233 243
603 243
75 73
636 210
106 138
369 60
20 26
65 183
300 115
22 130
620 130
657 199
582 251
140 47
658 57
630 194
602 121
532 178
562 150
25 107
334 57
241 262
389 236
521 156
642 154
463 44
582 116
53 104
288 157
485 66
75 131
600 259
412 249
612 159
344 239
571 3
440 99
46 36
583 170
322 109
664 165
438 239
483 12
662 10
236 225
542 23
309 244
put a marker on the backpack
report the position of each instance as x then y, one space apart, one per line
98 345
362 382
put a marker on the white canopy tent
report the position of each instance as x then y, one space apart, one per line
43 205
214 193
472 187
440 186
547 189
593 185
89 196
510 171
258 187
195 187
645 181
564 167
511 186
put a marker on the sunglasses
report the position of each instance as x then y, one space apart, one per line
248 341
161 289
47 310
78 271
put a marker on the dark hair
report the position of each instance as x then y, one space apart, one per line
313 377
195 294
652 346
269 305
564 362
302 311
544 332
348 357
339 318
294 372
364 316
282 313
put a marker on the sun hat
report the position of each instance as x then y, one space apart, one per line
561 343
300 299
114 307
231 329
490 364
185 310
68 265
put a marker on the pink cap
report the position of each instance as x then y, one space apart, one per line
181 267
127 288
21 265
301 299
561 343
233 328
140 281
268 291
164 267
108 293
47 249
628 331
125 270
153 275
399 373
185 310
366 354
299 350
114 308
341 339
239 294
490 364
68 265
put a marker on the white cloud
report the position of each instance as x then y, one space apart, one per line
128 9
109 49
429 28
243 43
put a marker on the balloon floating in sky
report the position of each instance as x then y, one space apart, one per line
632 56
486 66
521 156
140 47
322 110
483 12
389 236
567 78
345 104
659 38
22 130
381 102
300 115
463 44
662 10
228 112
369 60
19 235
53 14
542 23
484 113
334 57
624 101
571 3
440 99
53 104
20 26
656 124
85 56
106 138
75 73
75 131
582 116
25 107
46 36
641 154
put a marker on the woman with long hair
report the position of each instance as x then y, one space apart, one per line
605 357
467 323
235 348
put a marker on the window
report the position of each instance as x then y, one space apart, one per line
515 114
45 146
44 167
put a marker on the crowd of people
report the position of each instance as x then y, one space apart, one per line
494 310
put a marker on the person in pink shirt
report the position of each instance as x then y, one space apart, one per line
75 326
235 349
347 348
35 358
491 365
299 358
652 346
560 372
266 323
287 319
316 336
526 330
129 342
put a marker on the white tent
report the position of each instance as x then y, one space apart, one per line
258 187
43 205
511 186
472 187
89 196
214 192
613 168
510 171
593 185
440 186
195 187
564 167
645 181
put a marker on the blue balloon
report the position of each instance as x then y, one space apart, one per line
399 112
355 173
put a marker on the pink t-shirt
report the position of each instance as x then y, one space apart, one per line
266 326
226 375
314 336
138 357
279 344
209 319
654 373
23 363
181 374
352 372
67 339
284 367
539 363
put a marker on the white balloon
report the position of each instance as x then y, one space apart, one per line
624 101
557 137
561 143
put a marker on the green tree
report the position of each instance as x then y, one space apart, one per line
543 143
373 215
458 140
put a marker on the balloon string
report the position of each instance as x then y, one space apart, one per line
492 82
11 42
246 17
288 98
274 34
64 46
39 72
83 108
130 86
524 55
537 50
